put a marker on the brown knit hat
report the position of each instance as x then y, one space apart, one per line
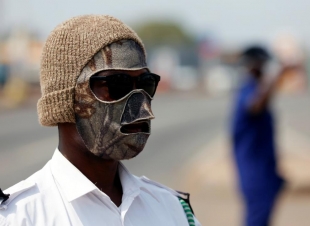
67 50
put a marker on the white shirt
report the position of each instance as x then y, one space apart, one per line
59 194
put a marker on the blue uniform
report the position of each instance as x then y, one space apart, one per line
254 152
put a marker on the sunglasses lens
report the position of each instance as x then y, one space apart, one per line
148 83
119 86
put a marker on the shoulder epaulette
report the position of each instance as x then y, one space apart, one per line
159 185
182 196
13 192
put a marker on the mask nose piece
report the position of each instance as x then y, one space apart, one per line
137 108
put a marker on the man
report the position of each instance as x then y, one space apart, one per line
253 139
97 89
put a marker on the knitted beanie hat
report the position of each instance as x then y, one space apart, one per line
67 50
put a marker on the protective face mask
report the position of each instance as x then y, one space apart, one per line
108 127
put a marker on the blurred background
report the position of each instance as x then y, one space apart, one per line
195 47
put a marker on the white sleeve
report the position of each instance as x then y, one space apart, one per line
2 220
14 220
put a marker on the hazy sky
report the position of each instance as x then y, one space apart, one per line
232 21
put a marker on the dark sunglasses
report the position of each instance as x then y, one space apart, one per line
120 85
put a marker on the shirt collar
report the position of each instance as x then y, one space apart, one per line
74 184
71 181
130 181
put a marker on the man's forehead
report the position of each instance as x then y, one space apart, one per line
116 72
120 55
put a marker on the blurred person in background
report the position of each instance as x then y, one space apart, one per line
253 138
96 87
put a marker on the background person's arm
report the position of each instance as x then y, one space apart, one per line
265 91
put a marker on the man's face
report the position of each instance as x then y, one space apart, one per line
257 67
101 91
113 98
113 112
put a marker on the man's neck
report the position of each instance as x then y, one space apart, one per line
103 173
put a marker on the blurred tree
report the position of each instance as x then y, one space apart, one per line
164 33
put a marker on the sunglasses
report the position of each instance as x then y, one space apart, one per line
119 85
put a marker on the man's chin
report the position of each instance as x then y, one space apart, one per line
134 149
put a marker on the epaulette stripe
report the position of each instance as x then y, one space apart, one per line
188 212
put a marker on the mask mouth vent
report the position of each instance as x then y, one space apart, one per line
136 127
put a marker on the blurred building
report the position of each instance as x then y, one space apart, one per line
21 51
